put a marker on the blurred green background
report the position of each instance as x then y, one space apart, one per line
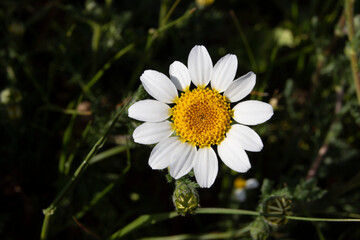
67 68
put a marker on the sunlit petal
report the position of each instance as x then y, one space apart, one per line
149 110
200 66
159 86
248 138
205 167
224 72
150 133
241 87
252 112
233 155
180 75
161 154
182 160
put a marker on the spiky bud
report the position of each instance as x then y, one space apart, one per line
279 207
185 198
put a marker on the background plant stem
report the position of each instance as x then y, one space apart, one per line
349 11
48 212
151 219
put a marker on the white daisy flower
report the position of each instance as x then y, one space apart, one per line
188 128
241 185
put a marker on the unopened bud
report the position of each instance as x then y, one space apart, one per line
186 198
204 3
10 96
276 208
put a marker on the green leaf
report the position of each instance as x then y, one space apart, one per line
143 221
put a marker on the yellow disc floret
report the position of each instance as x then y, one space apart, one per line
202 117
239 183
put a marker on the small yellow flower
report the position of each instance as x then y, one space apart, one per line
204 3
241 185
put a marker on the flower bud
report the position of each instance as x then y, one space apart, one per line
204 3
277 205
186 198
10 96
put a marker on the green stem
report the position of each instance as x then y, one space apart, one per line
143 221
95 44
152 35
311 219
349 12
227 211
108 153
146 220
95 200
106 66
244 40
45 226
74 179
171 10
187 14
255 213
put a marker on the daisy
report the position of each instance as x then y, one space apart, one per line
189 127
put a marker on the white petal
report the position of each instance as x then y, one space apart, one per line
224 72
240 194
159 86
252 112
200 66
248 138
150 133
182 160
205 167
233 155
160 156
179 75
252 183
241 87
149 110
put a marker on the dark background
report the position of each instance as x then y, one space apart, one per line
51 50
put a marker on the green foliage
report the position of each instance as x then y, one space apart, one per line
308 191
259 229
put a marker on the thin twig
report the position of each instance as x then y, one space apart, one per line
85 229
257 93
329 136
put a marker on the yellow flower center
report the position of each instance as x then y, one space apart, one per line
202 117
239 183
